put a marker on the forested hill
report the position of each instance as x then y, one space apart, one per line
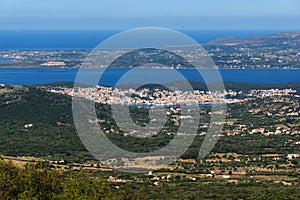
52 133
34 122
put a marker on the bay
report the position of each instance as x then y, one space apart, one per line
29 76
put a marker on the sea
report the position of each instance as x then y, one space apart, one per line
88 39
30 76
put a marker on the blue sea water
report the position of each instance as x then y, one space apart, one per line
5 59
88 39
23 76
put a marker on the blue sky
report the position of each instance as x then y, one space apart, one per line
123 14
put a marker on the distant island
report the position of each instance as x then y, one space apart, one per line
280 50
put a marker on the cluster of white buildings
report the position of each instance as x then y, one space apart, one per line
271 92
52 64
157 97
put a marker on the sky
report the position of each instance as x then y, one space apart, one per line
124 14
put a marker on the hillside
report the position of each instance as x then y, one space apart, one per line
37 123
286 38
52 133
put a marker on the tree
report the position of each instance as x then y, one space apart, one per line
269 195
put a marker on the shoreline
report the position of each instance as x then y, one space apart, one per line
154 68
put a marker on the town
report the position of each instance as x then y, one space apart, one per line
110 95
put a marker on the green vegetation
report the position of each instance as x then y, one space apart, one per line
223 191
53 132
53 135
36 182
258 163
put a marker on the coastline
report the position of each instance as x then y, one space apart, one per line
154 68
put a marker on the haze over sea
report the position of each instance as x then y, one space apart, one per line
88 39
